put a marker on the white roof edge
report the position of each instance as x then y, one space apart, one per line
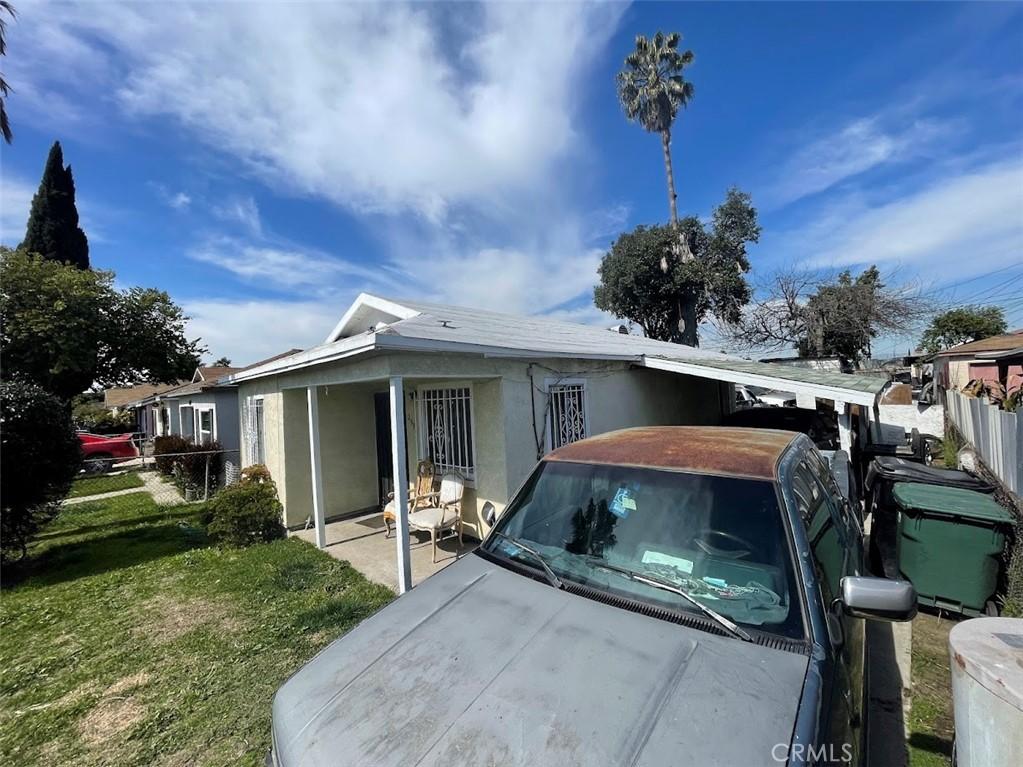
309 357
376 302
836 393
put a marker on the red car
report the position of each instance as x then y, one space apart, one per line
101 452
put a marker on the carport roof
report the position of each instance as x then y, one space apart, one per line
378 324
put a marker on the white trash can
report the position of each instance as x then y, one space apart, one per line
986 656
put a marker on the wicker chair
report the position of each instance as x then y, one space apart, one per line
418 493
443 513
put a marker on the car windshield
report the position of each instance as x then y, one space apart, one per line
720 539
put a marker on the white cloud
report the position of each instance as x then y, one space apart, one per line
379 107
15 201
241 210
247 331
955 224
179 201
277 268
855 148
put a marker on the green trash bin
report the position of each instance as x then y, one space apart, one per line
950 544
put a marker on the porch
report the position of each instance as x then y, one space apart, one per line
360 541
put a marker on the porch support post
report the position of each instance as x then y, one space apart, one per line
844 430
400 483
315 466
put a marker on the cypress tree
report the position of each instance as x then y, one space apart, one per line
53 230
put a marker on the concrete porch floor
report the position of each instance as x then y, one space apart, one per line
360 542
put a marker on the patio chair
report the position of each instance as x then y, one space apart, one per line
445 512
418 493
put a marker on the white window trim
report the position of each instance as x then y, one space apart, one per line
421 446
181 420
548 383
196 410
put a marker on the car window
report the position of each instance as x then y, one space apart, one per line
721 539
825 526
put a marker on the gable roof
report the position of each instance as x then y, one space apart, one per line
210 377
1002 343
373 323
213 372
119 396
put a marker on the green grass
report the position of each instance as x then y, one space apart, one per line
128 640
930 719
106 484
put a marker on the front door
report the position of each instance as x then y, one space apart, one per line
385 461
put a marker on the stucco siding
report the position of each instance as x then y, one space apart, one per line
348 448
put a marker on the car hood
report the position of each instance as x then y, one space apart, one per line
481 666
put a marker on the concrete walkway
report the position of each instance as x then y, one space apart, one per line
163 493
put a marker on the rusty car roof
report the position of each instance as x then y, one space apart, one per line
700 449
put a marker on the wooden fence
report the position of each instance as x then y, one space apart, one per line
996 435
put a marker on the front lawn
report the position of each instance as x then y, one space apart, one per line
105 484
130 641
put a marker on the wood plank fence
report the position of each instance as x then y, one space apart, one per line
996 435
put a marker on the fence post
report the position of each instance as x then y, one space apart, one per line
206 482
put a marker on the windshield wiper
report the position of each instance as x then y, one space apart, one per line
732 628
551 576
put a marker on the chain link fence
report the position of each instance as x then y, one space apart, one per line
168 479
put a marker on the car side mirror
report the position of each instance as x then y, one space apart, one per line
489 514
878 598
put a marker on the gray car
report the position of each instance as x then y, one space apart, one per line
654 596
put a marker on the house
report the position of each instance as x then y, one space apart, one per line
206 410
479 393
141 399
990 359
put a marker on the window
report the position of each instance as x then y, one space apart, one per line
445 429
205 425
721 539
566 413
823 527
255 451
187 419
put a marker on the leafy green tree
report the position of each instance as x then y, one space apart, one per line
5 125
652 89
40 456
962 325
634 287
66 328
89 413
222 362
53 231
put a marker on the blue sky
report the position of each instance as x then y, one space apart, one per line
265 163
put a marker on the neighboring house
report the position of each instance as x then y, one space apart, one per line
991 359
479 393
205 410
141 399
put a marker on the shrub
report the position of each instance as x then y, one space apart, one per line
245 513
40 456
90 414
187 462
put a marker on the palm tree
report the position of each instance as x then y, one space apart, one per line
652 89
5 126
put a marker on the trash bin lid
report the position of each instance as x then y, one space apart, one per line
950 500
901 470
989 650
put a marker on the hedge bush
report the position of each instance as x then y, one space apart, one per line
245 513
40 455
186 462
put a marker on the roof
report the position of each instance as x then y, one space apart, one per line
209 377
1006 342
373 324
699 449
119 396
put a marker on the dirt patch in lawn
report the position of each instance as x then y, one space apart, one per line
110 717
167 618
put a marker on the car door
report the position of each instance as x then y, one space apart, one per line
836 546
